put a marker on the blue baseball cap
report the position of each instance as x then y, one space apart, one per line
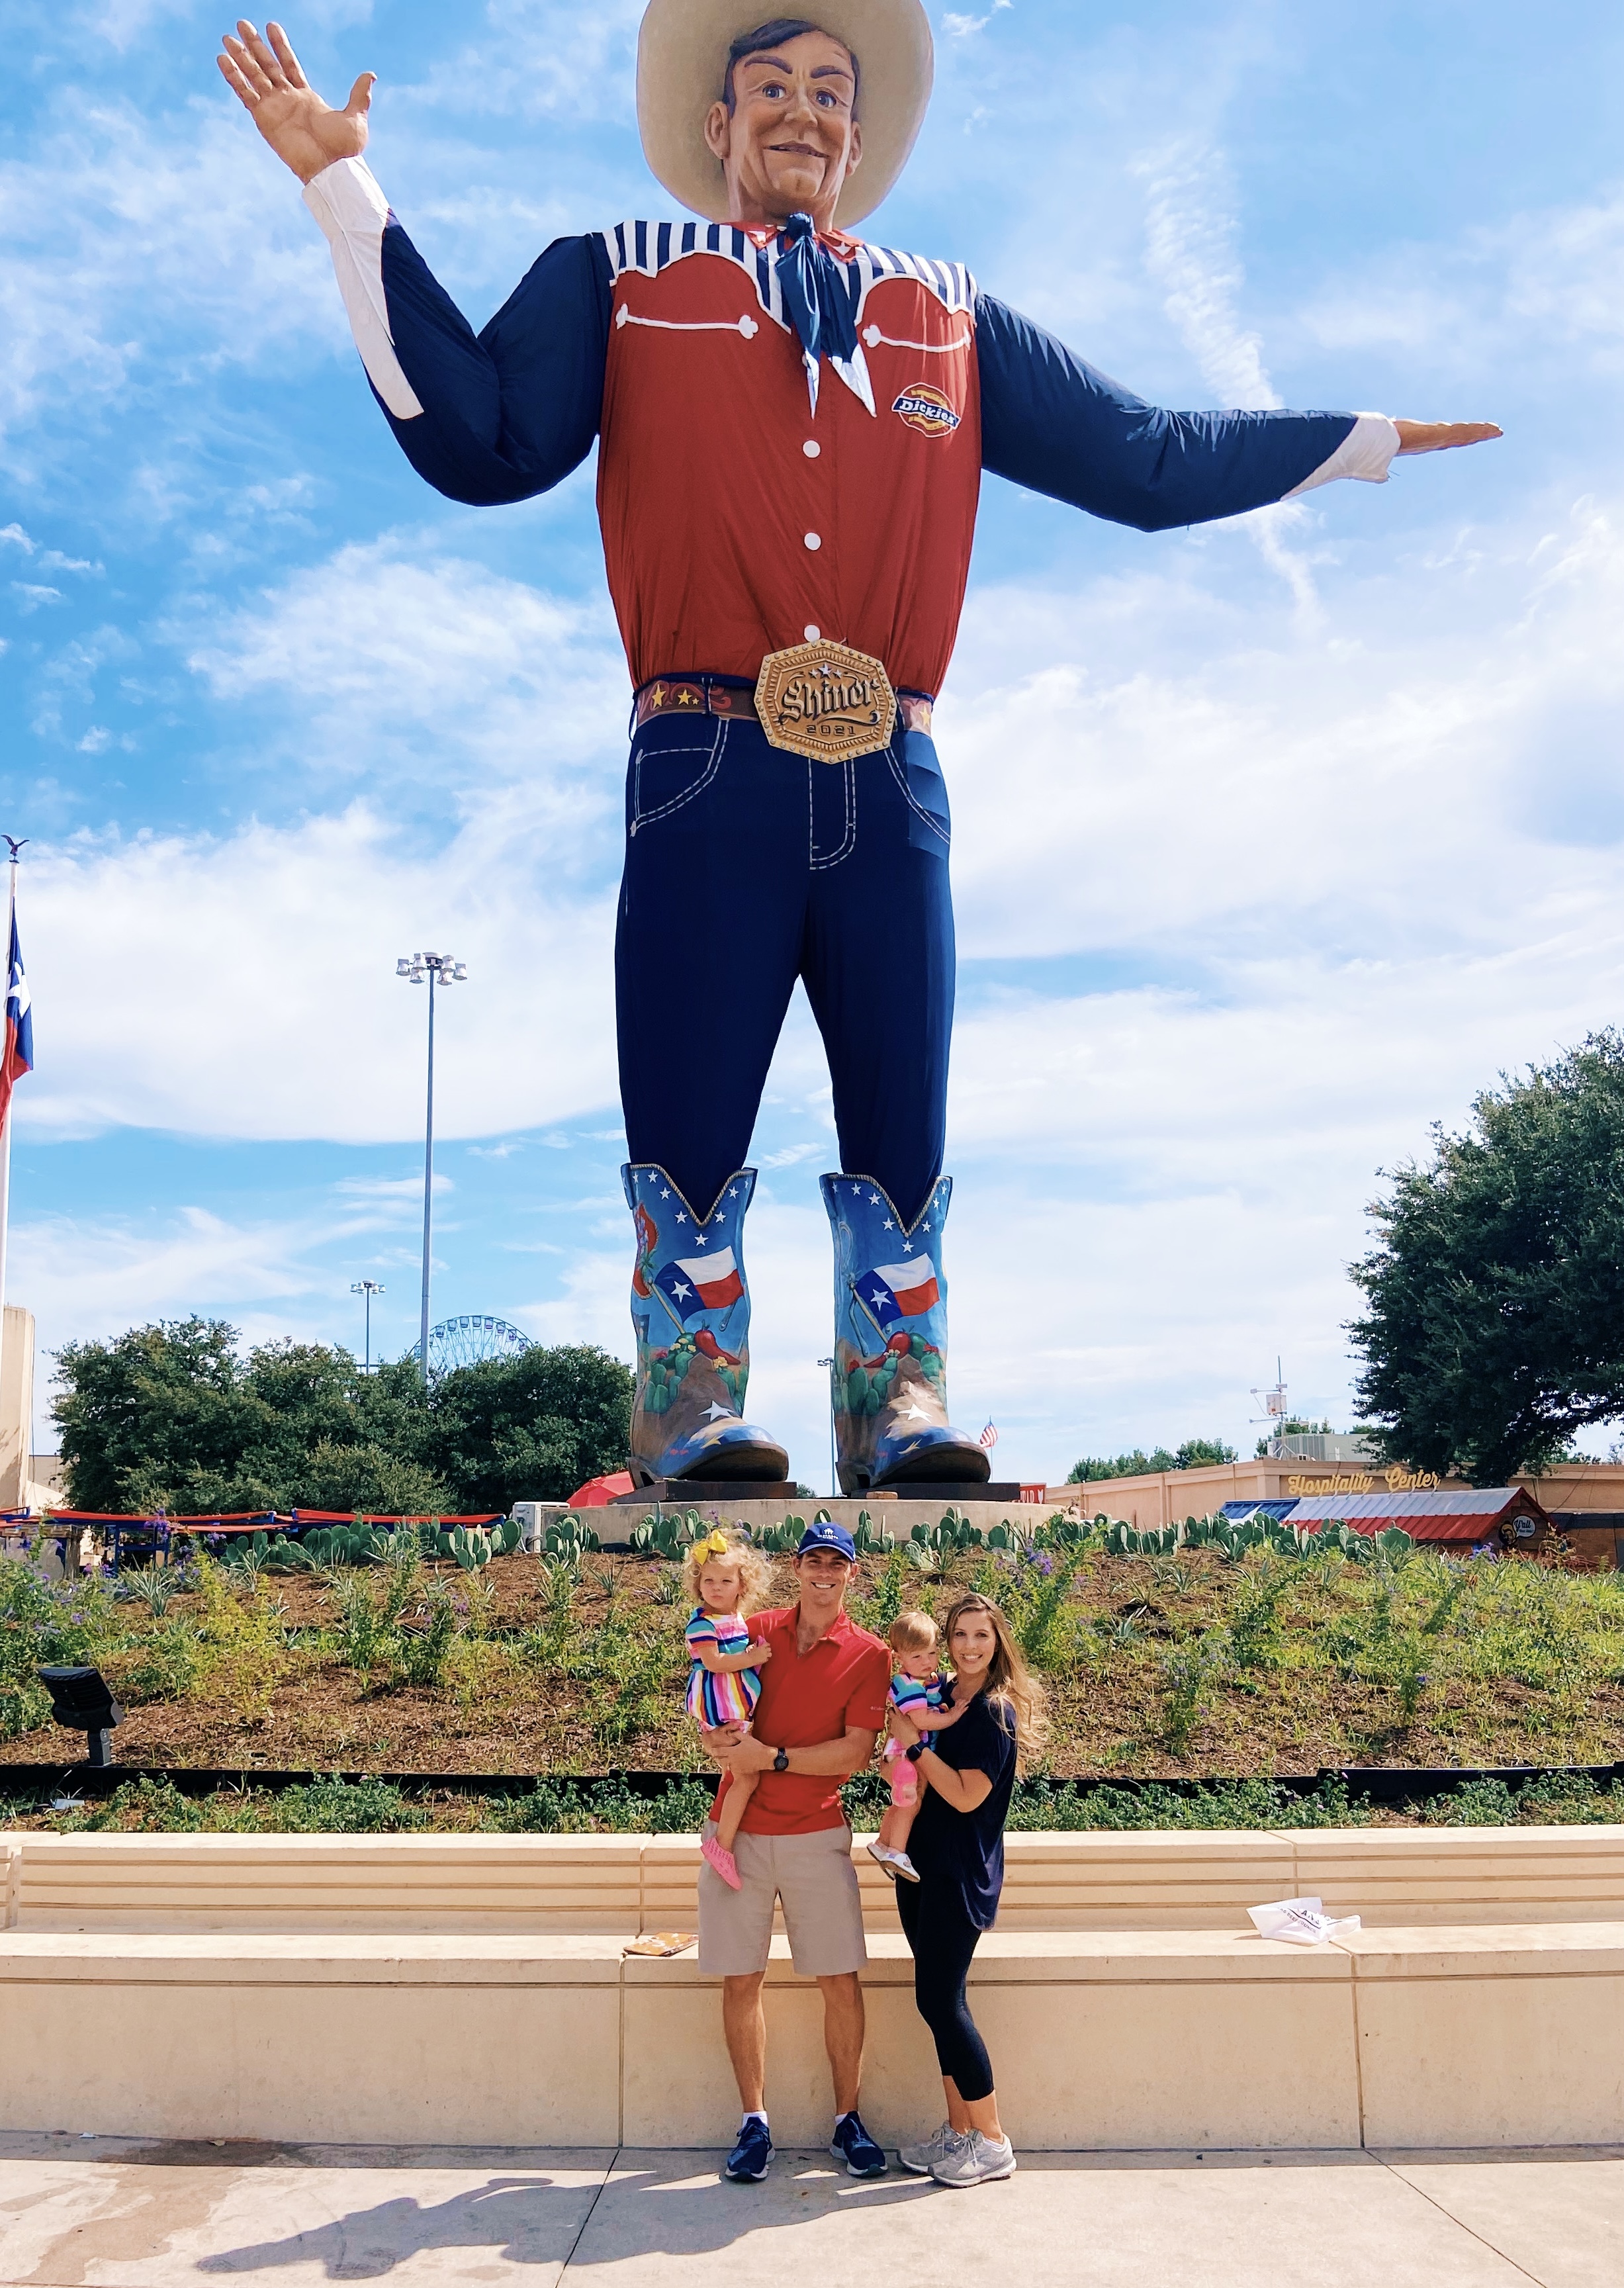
825 1535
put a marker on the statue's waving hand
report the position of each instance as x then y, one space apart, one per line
304 132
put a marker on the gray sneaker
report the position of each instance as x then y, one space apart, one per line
923 2158
975 2160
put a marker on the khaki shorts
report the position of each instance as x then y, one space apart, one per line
814 1877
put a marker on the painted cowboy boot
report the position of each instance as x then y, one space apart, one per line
891 1343
691 1308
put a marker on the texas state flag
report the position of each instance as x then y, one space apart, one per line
697 1283
18 1056
900 1291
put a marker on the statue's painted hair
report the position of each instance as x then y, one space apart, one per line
773 34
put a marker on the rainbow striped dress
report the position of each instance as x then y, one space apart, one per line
730 1697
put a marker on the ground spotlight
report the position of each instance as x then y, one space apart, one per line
80 1699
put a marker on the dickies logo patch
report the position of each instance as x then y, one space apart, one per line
926 409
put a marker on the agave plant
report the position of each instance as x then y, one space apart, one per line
152 1586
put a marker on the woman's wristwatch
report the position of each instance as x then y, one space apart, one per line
915 1752
780 1762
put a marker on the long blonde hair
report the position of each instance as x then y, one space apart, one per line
752 1568
1009 1682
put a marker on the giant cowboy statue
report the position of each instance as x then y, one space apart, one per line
792 424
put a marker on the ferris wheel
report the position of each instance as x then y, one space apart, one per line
464 1341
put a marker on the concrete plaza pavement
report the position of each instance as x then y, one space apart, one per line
124 2213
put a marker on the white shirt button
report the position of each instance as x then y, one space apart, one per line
811 449
815 540
812 634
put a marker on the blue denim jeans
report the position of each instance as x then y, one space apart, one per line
746 867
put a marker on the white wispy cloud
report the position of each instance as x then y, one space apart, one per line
1192 253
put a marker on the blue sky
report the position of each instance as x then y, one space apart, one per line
1273 841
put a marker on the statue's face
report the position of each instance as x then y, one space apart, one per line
790 140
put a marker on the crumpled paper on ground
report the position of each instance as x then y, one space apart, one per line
1304 1922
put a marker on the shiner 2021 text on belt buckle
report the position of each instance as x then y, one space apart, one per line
822 700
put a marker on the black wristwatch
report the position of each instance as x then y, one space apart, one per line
915 1752
780 1762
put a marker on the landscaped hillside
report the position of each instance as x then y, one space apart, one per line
1191 1664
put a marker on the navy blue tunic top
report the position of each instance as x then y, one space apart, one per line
960 1854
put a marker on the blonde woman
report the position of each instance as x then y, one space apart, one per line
957 1845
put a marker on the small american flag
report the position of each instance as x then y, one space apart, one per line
989 1437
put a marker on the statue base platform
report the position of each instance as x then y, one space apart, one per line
922 1489
678 1490
673 1492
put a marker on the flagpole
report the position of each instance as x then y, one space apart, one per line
5 1148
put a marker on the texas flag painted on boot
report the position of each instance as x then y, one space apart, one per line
691 1311
696 1284
900 1291
891 1343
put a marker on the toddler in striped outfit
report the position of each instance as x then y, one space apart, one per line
921 1693
724 1577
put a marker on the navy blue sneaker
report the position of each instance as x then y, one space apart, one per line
748 2163
852 2144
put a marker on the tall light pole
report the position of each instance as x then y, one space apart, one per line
439 969
834 1465
369 1288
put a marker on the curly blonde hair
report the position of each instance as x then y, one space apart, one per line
752 1568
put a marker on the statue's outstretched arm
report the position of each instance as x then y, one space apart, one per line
496 416
1050 422
486 418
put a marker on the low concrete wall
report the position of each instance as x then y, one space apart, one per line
1105 2040
473 1990
899 1517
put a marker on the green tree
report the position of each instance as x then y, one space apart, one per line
160 1409
175 1417
1193 1454
530 1428
1495 1319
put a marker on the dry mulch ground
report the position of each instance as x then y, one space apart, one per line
530 1689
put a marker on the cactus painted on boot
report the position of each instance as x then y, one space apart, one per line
690 1309
891 1343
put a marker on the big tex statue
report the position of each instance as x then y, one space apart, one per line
792 424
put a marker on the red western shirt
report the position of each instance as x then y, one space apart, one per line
805 1700
737 516
735 520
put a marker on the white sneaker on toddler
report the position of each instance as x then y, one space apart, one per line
895 1863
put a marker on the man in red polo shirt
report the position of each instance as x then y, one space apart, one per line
821 1708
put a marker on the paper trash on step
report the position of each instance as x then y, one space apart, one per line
1304 1922
662 1943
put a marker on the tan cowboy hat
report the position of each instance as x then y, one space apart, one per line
682 55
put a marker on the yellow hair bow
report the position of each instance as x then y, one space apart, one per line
714 1545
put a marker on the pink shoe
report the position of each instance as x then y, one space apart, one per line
724 1862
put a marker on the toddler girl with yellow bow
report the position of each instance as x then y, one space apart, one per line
725 1578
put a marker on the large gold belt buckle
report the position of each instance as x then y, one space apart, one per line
822 700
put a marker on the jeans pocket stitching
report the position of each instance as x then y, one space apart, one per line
663 810
900 775
815 864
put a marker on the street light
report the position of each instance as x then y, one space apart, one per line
439 969
834 1466
369 1288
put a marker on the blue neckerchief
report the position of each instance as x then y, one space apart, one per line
813 286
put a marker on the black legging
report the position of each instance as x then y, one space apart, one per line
943 1939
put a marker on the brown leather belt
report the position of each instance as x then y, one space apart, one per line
732 696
